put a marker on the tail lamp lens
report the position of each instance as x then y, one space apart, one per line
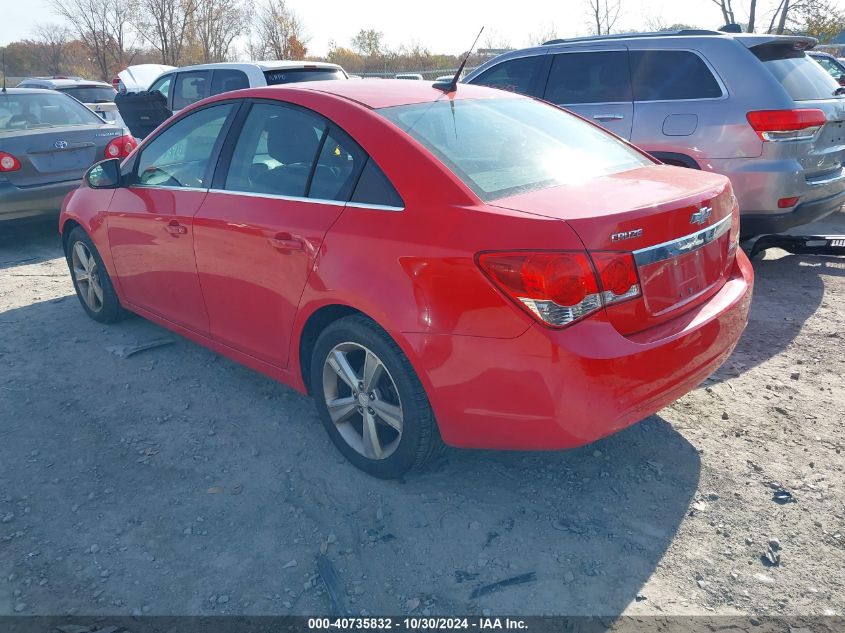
563 287
9 162
786 125
120 147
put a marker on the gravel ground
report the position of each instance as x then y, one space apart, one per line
177 482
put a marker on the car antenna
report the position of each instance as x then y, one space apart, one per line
4 70
452 86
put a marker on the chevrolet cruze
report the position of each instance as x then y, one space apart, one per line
469 267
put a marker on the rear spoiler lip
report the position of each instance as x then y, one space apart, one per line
752 42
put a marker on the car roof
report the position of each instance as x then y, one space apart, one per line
67 82
27 91
750 40
262 65
384 93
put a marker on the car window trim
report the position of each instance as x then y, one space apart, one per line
603 49
215 151
277 196
722 86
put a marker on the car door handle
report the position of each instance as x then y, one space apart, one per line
609 117
174 228
286 242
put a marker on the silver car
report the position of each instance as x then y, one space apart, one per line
96 95
753 107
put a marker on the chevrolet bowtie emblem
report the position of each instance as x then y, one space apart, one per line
701 216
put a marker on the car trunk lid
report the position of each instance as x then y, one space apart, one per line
676 222
56 154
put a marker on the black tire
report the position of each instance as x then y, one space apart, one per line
420 439
108 309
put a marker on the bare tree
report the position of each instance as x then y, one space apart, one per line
103 27
752 16
604 14
167 26
727 10
279 31
368 43
216 25
52 40
546 34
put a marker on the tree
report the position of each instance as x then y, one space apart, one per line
368 43
103 27
727 10
52 41
604 14
821 19
279 32
216 25
167 26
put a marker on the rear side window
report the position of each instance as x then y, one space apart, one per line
190 88
374 188
516 75
293 75
226 80
802 79
338 166
671 76
595 77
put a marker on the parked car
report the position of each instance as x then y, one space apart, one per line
753 107
138 78
183 86
380 257
96 95
47 141
831 64
415 76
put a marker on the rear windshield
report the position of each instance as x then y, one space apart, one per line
44 110
292 75
91 94
501 147
802 78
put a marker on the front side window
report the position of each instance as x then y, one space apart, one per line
515 75
227 79
502 147
190 88
670 76
589 77
42 110
275 151
162 85
179 156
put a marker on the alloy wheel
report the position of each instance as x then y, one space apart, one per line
362 400
87 275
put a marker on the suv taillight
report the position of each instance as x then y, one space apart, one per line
786 125
120 147
9 162
560 288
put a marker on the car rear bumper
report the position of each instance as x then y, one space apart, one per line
25 202
553 389
804 213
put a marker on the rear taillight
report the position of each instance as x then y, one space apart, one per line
560 288
786 125
9 162
120 147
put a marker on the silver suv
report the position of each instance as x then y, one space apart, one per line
753 107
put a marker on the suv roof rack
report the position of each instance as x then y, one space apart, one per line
619 36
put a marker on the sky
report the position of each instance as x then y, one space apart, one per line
442 26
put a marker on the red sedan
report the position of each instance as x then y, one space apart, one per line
474 267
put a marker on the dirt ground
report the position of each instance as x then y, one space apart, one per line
177 482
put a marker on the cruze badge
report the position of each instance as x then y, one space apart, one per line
626 235
701 216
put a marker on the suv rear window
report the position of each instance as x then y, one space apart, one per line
293 75
664 75
502 147
800 76
91 94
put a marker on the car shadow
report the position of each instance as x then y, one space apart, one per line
29 242
787 291
176 464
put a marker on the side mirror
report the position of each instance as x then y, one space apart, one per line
104 175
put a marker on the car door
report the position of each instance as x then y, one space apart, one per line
595 83
150 220
258 232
